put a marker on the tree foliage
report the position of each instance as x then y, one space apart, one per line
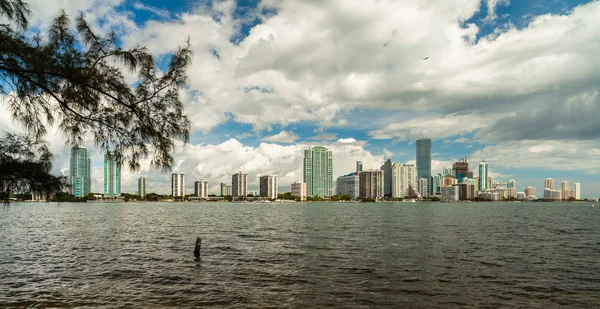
75 79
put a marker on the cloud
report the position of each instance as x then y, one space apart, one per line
323 137
158 12
491 7
282 137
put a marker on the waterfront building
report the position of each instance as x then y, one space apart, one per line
318 171
476 180
359 166
387 177
424 162
502 192
521 195
423 186
403 177
549 183
449 194
577 191
223 189
466 191
551 194
348 184
239 184
436 183
142 187
511 186
229 191
112 175
299 190
269 186
80 174
489 182
201 188
483 176
564 188
489 196
371 184
461 170
178 184
530 191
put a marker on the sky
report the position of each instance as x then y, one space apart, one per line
514 83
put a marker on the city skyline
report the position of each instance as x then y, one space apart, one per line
257 109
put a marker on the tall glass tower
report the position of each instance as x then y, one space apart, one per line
483 176
424 161
80 176
318 171
112 175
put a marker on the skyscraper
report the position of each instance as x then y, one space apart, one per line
577 191
424 160
318 171
223 189
549 183
511 186
387 177
371 184
239 184
530 191
423 186
269 186
564 188
436 181
80 172
483 176
201 188
112 175
358 166
178 184
461 170
299 190
142 187
403 177
348 184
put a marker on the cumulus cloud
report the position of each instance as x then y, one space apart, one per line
282 137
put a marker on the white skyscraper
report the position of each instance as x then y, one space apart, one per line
403 176
269 186
423 186
201 188
178 184
483 176
239 184
142 187
511 186
577 191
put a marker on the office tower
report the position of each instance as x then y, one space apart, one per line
142 187
489 183
447 172
223 189
318 171
470 174
269 186
299 190
476 183
483 176
178 184
387 177
511 186
423 186
371 184
461 170
239 184
449 194
80 172
530 191
564 188
577 191
436 182
424 161
549 183
348 184
449 180
359 166
466 191
229 191
403 177
112 175
201 188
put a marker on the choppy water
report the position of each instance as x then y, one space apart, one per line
300 255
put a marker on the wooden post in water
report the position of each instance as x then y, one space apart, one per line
198 246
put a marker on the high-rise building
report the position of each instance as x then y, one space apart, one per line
577 191
223 189
80 173
178 184
403 177
359 166
318 171
423 186
449 194
489 183
239 184
348 184
521 195
424 162
551 194
229 191
483 176
549 183
436 183
529 191
447 172
201 188
269 185
387 177
299 190
461 170
470 174
142 187
466 191
511 186
564 188
371 184
112 175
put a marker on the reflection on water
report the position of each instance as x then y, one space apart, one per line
300 255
